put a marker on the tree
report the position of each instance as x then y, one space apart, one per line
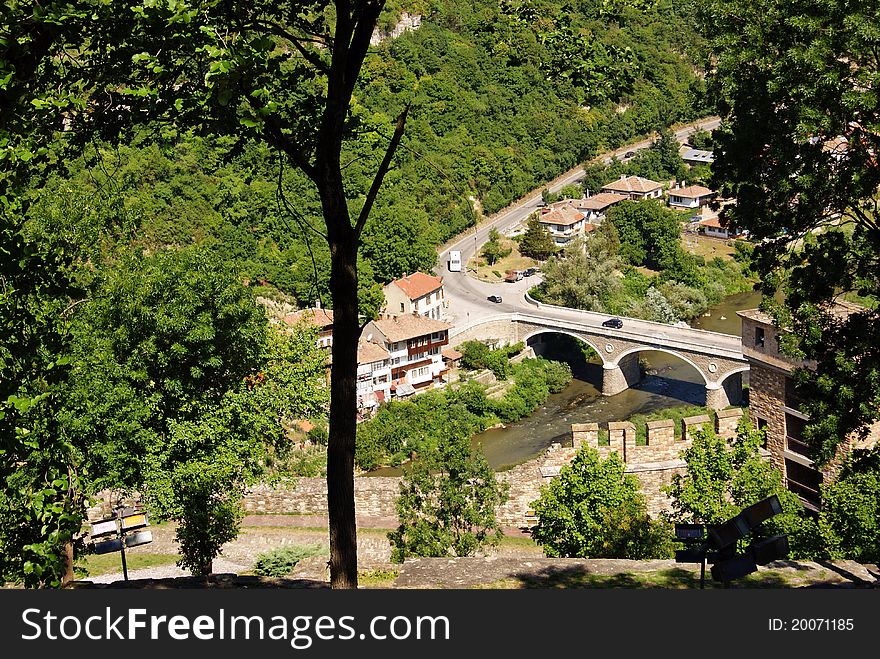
850 518
593 509
447 502
723 477
658 308
493 250
181 390
280 73
585 276
798 150
536 241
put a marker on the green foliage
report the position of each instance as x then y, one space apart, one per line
400 429
849 522
536 241
447 502
476 355
798 149
493 250
585 275
182 390
724 477
595 510
279 562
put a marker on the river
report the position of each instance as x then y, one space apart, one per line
669 382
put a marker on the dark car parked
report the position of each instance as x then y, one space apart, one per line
494 298
528 272
616 323
629 154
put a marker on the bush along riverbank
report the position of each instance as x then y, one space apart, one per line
403 428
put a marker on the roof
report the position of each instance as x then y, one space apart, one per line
403 388
698 155
757 315
369 352
629 184
565 216
418 284
451 353
691 192
409 326
600 201
319 317
713 222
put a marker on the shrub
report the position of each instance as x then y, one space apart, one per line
281 561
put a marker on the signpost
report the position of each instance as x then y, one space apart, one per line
120 526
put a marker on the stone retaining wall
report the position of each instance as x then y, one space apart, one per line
375 496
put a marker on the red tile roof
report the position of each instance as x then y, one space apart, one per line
408 326
628 184
369 352
565 216
322 318
418 284
691 192
600 201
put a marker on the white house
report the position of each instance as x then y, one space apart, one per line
414 344
373 375
564 224
635 187
691 196
595 207
416 293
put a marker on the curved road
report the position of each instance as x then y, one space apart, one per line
467 296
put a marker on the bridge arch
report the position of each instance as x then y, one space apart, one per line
574 335
677 355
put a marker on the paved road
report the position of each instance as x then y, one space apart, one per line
467 296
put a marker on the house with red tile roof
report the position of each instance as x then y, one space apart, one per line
317 317
635 187
417 293
691 196
414 344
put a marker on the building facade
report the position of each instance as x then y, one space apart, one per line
635 188
774 406
417 293
691 196
414 344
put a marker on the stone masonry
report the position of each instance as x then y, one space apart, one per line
653 464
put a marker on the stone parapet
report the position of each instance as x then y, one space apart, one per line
726 422
693 423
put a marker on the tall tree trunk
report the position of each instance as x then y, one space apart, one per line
343 409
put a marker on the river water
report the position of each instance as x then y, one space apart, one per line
669 382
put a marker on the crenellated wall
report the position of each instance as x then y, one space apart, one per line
654 464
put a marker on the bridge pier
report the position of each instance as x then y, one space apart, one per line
621 376
721 394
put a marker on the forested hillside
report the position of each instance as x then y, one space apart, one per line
502 99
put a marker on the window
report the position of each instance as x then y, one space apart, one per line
803 481
401 307
382 379
794 435
395 361
418 372
759 337
792 399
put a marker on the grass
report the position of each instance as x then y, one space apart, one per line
707 247
495 272
96 565
377 578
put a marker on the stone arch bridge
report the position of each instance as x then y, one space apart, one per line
717 357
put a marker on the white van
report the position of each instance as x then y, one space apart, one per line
454 261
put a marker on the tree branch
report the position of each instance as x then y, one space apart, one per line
280 141
380 173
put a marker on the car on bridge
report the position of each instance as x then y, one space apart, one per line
616 323
494 298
